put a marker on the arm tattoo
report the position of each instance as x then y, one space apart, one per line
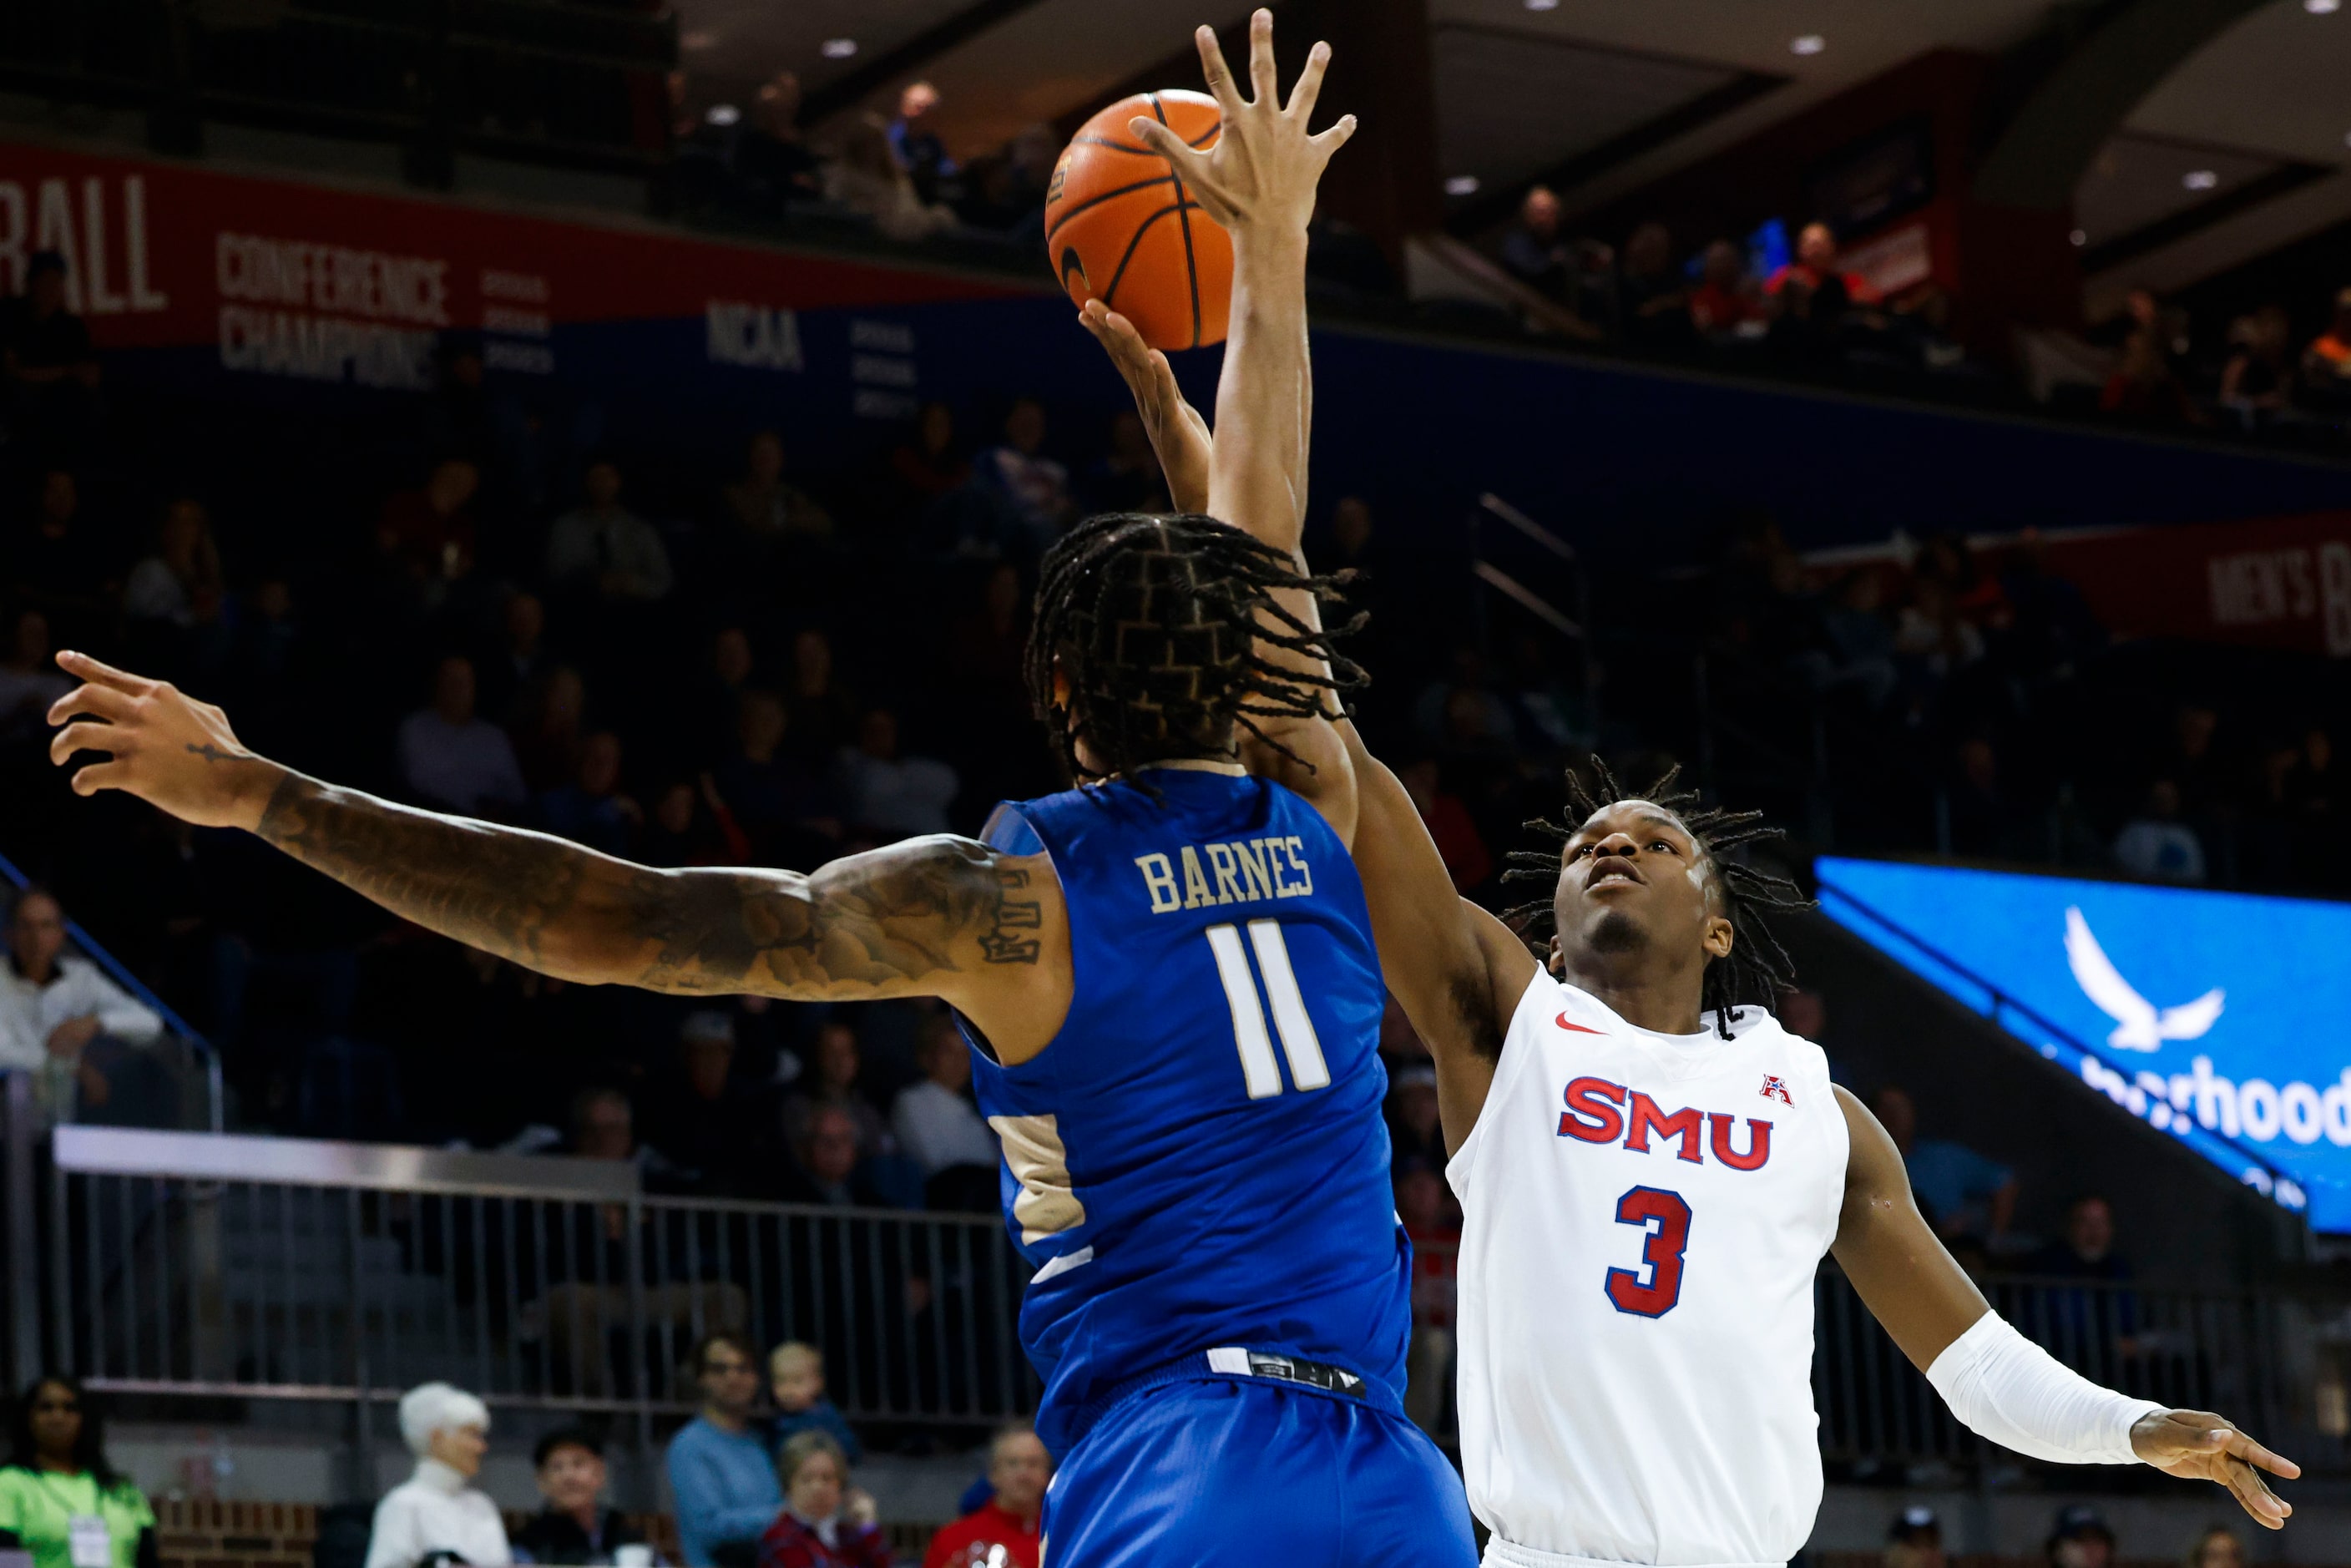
892 922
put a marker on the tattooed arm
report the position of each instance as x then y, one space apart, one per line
933 916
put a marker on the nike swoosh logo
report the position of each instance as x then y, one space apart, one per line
1577 1027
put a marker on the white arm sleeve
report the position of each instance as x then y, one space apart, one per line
2004 1386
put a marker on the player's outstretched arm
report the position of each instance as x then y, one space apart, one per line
931 916
2001 1384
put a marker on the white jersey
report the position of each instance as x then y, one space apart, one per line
1643 1217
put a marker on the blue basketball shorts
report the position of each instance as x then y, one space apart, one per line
1227 1471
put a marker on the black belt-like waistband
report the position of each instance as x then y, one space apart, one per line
1238 1360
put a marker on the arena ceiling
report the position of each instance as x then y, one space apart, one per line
2239 149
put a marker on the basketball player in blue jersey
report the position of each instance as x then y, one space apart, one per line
1167 973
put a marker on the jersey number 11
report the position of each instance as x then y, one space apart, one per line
1307 1067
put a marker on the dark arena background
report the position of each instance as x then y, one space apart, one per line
641 420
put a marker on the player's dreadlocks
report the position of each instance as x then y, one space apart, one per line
1758 968
1154 621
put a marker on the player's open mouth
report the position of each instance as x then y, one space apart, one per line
1612 870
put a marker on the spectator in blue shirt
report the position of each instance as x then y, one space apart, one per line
1962 1193
721 1467
796 1378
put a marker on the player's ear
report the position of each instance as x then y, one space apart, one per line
1555 961
1718 937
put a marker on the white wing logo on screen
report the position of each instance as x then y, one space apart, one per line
2139 1025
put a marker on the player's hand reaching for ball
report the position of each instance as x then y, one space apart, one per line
2196 1445
1177 432
162 745
1260 172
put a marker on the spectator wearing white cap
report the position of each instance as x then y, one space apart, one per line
436 1516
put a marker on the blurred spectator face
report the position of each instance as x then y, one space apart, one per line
796 1376
814 1490
1726 265
452 484
730 1384
2143 307
1539 213
1897 1113
2218 1548
565 700
1351 524
1862 593
28 644
2194 723
673 812
812 662
759 725
1467 717
708 1046
919 99
1649 252
465 370
46 288
56 1421
730 656
36 935
606 1127
525 625
1918 1549
183 532
572 1479
836 1057
1420 1198
2090 1228
600 764
2163 800
1130 443
1816 246
602 486
1019 1470
877 735
453 691
831 1147
935 428
1803 1013
780 105
60 498
946 1061
2086 1550
1004 594
1024 427
1979 765
764 462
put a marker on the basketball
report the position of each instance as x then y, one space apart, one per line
1120 227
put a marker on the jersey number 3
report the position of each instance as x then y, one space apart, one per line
1307 1067
1661 1253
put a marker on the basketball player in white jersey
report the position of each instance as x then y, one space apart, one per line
1652 1169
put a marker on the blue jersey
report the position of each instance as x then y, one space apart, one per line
1197 1159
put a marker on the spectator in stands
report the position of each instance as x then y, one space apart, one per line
1652 300
452 757
1002 1533
864 176
59 564
2145 389
2257 381
2093 1330
838 1065
47 357
2157 844
438 1515
547 728
776 800
706 1123
1127 478
591 810
430 532
1033 487
58 1477
1462 712
885 793
30 679
1815 270
2080 1539
764 506
915 142
1413 1129
1915 1540
175 597
713 705
600 547
1421 1203
1962 1193
825 1521
773 165
927 466
796 1382
83 1036
2218 1547
721 1470
520 662
1724 301
573 1527
823 712
1449 824
828 1170
2326 363
691 824
1533 250
940 1129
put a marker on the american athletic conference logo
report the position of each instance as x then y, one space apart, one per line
2255 1110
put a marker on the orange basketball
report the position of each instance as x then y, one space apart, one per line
1121 229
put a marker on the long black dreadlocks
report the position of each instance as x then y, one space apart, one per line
1154 621
1756 969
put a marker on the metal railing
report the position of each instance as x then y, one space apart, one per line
197 1266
